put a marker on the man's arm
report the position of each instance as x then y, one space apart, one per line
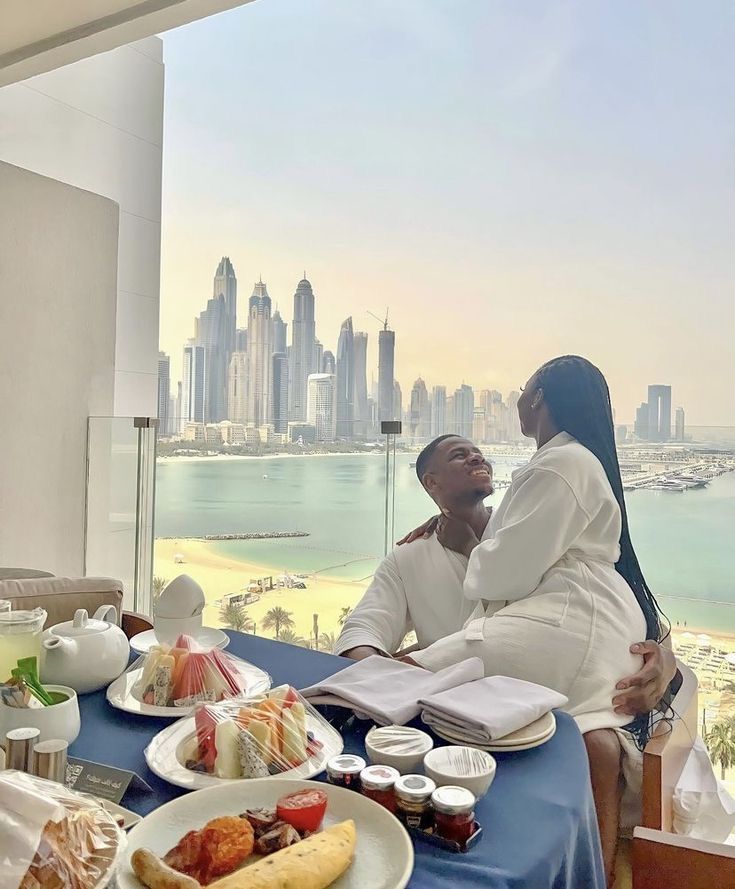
380 620
645 690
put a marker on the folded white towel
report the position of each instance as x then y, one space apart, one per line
483 711
388 691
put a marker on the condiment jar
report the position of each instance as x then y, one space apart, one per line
377 785
344 771
454 813
413 801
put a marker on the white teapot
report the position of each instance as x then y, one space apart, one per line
85 653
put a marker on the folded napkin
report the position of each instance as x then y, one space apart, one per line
482 711
388 691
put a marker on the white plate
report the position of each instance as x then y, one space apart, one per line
120 694
164 752
383 854
523 739
207 637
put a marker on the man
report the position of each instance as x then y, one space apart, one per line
420 586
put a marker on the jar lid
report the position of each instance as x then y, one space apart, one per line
451 800
346 765
379 777
414 788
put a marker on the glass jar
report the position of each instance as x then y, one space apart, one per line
377 784
454 813
413 801
344 771
20 637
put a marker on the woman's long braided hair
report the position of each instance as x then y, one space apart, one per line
578 399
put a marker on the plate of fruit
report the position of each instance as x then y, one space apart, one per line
170 681
277 734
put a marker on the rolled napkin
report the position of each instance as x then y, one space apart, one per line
703 809
480 712
389 691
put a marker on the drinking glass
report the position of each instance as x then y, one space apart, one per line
20 637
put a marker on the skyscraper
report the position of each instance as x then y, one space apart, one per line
241 339
362 409
397 401
237 388
193 384
303 350
327 363
215 330
386 363
680 427
659 413
464 410
514 421
322 405
641 421
420 412
164 394
260 357
438 411
345 380
280 329
479 426
280 392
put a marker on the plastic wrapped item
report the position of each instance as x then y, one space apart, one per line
54 838
267 735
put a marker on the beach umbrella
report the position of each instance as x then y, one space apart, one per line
687 635
730 658
704 639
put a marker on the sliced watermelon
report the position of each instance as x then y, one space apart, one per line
184 642
206 727
191 679
229 671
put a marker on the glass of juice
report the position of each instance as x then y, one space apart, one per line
20 637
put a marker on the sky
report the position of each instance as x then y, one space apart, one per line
514 180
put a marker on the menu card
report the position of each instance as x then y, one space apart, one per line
102 781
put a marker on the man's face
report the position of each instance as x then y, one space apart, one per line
458 472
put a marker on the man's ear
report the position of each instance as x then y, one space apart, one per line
429 483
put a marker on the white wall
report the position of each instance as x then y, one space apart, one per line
98 124
58 285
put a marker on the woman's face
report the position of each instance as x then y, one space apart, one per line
525 412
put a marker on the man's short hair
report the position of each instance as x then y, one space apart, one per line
424 458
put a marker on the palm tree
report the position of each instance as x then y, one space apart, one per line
278 620
327 642
721 744
292 638
344 613
158 586
235 617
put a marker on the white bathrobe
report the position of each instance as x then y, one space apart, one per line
550 606
419 587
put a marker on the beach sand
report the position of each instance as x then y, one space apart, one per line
219 574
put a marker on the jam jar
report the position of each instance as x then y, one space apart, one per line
413 801
454 813
344 771
377 784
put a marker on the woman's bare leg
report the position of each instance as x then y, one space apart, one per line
604 753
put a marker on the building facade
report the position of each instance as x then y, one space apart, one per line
386 370
164 394
193 384
322 406
260 357
303 350
280 392
345 380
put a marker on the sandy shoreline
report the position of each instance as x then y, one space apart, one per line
186 458
218 574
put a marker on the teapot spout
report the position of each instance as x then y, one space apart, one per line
58 646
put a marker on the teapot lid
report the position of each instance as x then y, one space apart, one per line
82 625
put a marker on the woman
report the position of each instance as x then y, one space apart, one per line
560 593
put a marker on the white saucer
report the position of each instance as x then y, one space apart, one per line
526 738
207 637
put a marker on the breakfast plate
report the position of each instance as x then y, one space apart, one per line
526 738
124 692
166 755
206 637
383 856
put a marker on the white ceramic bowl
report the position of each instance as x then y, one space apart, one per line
59 722
461 767
168 629
180 598
399 746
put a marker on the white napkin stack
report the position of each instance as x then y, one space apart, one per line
480 712
389 691
703 809
23 816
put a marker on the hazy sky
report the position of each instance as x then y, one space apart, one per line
514 179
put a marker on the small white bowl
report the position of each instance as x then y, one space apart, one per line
399 746
58 722
461 767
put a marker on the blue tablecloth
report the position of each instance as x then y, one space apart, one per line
538 817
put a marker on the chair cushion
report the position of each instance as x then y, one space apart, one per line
60 597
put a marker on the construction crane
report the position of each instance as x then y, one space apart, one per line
383 322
